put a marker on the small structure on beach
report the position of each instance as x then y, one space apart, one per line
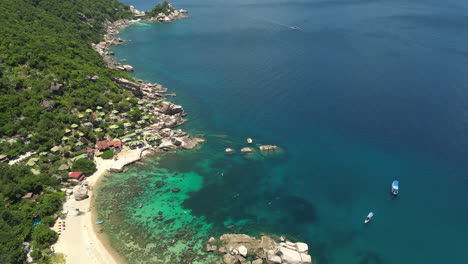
3 158
77 175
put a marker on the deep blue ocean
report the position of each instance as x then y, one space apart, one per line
367 91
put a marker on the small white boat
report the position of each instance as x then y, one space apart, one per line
369 217
294 27
395 188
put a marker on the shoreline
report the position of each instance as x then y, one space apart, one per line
82 241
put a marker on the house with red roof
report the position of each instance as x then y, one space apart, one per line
77 175
106 144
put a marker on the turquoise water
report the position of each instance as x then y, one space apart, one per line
364 93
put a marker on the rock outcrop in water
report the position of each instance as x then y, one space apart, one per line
236 248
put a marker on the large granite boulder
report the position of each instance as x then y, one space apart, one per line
242 250
80 192
48 105
247 150
289 256
171 109
268 147
56 86
133 87
229 259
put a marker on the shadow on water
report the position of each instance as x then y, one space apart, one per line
368 257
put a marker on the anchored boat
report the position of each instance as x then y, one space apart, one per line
369 217
395 188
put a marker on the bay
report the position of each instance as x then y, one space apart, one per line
364 93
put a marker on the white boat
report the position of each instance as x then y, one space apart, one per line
369 217
295 28
395 188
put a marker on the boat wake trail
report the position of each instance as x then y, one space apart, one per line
274 22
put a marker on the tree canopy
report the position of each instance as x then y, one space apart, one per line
84 165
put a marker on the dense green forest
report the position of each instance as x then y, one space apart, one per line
45 43
45 63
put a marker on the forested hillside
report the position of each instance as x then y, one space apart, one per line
45 43
45 63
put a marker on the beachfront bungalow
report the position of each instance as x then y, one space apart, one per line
32 162
114 127
81 116
140 102
99 119
90 152
98 130
136 144
127 126
55 150
35 171
141 122
88 124
30 196
64 139
124 115
125 140
74 126
138 131
3 158
67 131
98 107
113 117
76 175
101 114
79 145
63 167
89 111
115 112
43 153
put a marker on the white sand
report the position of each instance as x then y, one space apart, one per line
79 241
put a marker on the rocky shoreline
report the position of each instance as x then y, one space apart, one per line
244 249
168 115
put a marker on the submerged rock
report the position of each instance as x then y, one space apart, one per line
247 150
268 147
229 150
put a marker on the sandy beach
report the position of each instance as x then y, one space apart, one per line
79 241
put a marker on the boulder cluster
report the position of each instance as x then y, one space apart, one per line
244 249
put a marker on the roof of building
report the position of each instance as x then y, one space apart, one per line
75 174
89 150
81 177
63 167
27 196
103 144
115 143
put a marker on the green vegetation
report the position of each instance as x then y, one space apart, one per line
50 106
165 8
18 215
108 154
84 165
45 58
